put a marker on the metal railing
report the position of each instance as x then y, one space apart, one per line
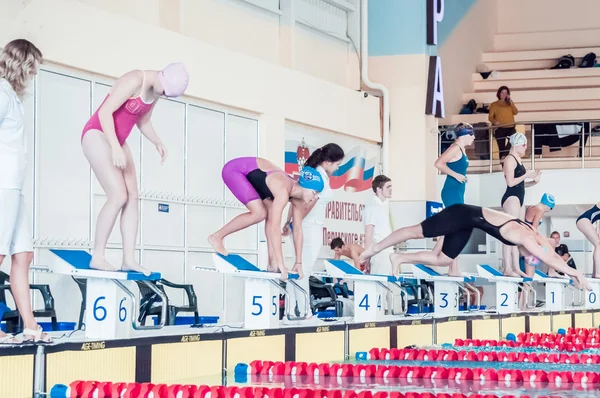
484 156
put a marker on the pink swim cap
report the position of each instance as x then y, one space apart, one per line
174 79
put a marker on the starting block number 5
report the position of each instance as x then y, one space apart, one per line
261 304
257 304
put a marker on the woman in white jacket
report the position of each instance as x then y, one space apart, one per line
326 160
19 62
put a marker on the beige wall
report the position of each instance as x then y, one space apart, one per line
547 15
81 36
413 135
461 53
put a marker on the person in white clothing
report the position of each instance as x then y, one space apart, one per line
326 160
376 216
19 62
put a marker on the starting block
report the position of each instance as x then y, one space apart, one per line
556 289
507 288
369 290
262 289
591 298
112 309
446 288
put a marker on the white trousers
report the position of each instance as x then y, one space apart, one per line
15 235
311 247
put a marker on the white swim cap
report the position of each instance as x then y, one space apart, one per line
518 139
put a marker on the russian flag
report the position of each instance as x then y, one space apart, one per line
355 174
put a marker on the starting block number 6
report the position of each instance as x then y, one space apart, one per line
100 312
108 315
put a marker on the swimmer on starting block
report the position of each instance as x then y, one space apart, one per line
265 190
352 251
585 223
456 223
129 103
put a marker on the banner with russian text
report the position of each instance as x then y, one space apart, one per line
351 183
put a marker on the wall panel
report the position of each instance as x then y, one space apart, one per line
63 172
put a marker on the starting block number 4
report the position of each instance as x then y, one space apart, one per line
261 304
108 310
368 301
446 299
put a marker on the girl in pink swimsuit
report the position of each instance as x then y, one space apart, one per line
265 190
103 139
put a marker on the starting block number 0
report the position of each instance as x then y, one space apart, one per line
259 306
100 311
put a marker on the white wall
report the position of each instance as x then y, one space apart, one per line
547 15
462 51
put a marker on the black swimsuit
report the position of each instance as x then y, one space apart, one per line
519 189
456 223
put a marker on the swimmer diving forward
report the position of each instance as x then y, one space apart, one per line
265 190
456 223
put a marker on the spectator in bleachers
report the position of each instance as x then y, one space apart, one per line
502 113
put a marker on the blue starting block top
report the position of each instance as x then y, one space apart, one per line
539 275
351 271
241 264
495 273
80 260
435 274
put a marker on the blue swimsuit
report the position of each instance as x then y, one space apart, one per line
454 191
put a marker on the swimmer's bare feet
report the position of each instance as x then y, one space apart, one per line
511 273
101 264
396 260
217 244
453 270
298 270
133 266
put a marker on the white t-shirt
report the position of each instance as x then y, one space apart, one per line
317 213
13 147
377 213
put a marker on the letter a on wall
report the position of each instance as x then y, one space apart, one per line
435 89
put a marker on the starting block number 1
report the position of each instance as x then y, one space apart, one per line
108 310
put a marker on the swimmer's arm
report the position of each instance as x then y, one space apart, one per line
147 129
355 257
509 172
536 220
125 87
441 162
336 256
297 217
369 232
547 255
